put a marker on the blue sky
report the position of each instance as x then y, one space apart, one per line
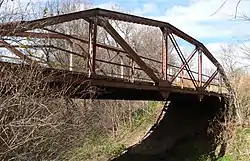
194 17
133 5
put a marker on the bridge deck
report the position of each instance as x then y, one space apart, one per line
80 85
114 88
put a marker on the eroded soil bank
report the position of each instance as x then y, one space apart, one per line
181 134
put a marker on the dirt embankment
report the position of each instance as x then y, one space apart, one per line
181 134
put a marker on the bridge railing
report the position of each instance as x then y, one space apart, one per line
46 42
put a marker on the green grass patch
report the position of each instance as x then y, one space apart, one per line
239 147
97 147
146 115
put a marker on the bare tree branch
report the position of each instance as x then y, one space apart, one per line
236 9
222 5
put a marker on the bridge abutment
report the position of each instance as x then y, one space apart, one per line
183 129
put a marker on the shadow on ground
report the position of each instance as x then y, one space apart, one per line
181 135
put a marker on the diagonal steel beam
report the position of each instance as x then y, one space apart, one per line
16 52
183 60
59 35
219 68
40 35
12 27
108 27
183 65
210 79
20 26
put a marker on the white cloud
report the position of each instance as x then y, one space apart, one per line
237 50
201 10
198 20
146 8
215 47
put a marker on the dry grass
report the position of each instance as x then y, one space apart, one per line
39 122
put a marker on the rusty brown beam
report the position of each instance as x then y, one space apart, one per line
171 29
10 28
7 29
164 53
183 60
108 27
76 79
146 21
28 46
40 23
9 57
58 35
51 46
42 46
40 35
92 45
219 68
101 45
43 22
210 79
183 65
16 52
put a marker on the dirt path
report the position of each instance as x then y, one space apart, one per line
137 135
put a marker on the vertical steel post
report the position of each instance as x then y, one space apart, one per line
182 81
92 46
121 67
132 71
199 68
71 57
164 54
220 83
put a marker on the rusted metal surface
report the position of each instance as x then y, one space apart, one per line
67 37
7 29
183 65
210 79
183 60
16 52
100 18
200 68
109 84
129 50
40 23
92 45
164 53
40 35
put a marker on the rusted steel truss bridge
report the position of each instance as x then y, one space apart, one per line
111 63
